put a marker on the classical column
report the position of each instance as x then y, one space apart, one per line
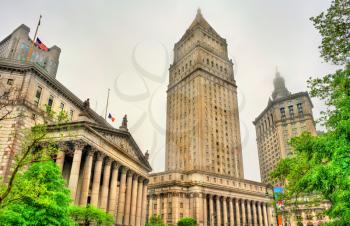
198 207
135 185
191 206
218 211
255 213
74 172
238 215
86 178
205 210
165 208
265 215
224 210
105 185
211 210
139 202
175 203
112 202
260 214
158 205
244 221
249 212
121 199
60 159
96 181
270 216
144 203
150 207
232 216
128 198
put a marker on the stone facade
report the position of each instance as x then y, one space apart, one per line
204 167
16 46
211 199
202 112
306 213
286 115
102 166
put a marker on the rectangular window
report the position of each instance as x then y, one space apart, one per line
283 113
62 106
300 108
37 95
71 113
10 82
50 101
291 111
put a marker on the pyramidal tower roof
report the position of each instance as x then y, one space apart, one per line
200 21
280 89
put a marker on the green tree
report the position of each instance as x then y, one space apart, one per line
334 28
35 147
90 215
156 220
39 197
187 221
321 165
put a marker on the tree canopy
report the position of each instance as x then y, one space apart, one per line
320 164
187 221
39 197
90 215
156 220
334 27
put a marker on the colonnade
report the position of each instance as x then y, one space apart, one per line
237 211
210 209
95 178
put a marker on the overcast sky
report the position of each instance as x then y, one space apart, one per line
127 46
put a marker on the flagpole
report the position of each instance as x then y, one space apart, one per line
32 46
107 104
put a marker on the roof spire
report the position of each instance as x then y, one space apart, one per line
280 89
199 12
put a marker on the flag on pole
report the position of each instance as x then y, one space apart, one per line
41 45
111 117
30 52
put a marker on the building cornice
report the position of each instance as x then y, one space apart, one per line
96 128
14 65
275 102
226 177
199 68
205 49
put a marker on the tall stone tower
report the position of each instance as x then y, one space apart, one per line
286 115
202 112
204 171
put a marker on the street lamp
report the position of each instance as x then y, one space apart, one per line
274 205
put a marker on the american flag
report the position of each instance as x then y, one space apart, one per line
41 45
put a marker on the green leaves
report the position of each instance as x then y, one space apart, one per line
334 28
321 165
90 215
187 221
156 220
39 197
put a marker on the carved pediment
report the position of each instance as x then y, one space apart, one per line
124 141
121 142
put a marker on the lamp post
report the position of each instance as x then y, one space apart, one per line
274 205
